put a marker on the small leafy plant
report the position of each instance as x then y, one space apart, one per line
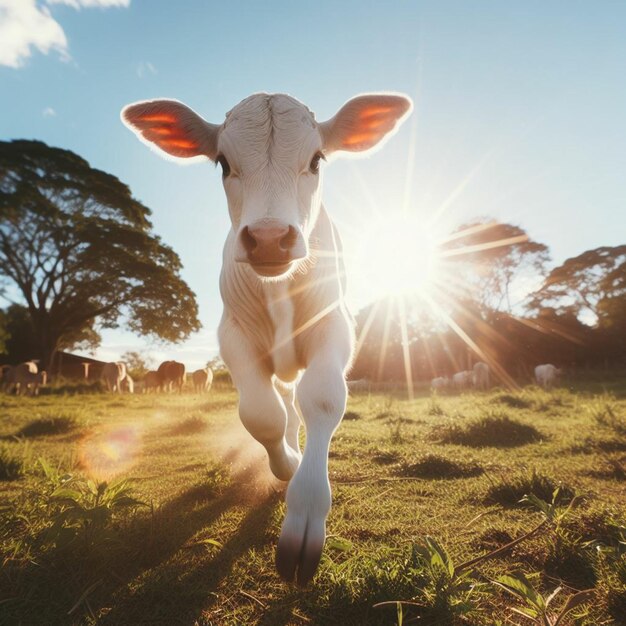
535 606
443 589
82 508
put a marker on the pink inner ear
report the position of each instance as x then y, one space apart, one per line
179 143
162 130
158 117
357 139
375 110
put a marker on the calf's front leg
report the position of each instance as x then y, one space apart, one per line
261 408
322 395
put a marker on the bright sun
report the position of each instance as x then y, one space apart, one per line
397 256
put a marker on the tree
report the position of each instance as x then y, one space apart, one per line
492 260
138 364
78 249
4 333
590 284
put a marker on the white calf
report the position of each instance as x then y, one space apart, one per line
547 375
481 376
282 281
361 384
462 380
440 383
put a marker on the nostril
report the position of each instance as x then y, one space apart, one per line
248 241
289 240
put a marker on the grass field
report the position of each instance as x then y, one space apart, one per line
188 536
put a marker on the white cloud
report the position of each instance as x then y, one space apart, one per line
48 112
23 26
27 25
88 4
144 68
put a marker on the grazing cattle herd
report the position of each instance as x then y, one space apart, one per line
479 377
26 378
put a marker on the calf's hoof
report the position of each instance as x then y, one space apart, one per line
284 462
300 549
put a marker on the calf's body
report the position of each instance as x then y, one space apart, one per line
285 333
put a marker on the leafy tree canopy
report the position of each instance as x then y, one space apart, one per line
78 249
492 260
593 282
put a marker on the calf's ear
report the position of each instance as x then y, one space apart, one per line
172 127
364 122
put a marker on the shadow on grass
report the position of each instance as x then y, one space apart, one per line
45 426
142 573
182 590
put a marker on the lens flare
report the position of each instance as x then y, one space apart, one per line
105 455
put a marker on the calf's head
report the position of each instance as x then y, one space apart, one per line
269 148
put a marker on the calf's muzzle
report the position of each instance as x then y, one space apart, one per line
270 245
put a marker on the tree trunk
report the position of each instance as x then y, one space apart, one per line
48 346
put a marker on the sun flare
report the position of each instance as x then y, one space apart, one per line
397 256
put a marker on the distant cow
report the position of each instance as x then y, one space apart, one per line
202 379
113 374
440 383
128 384
151 381
547 375
26 378
462 380
481 376
171 374
7 377
361 384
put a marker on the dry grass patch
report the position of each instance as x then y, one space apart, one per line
11 463
509 491
493 430
514 402
48 426
192 425
434 466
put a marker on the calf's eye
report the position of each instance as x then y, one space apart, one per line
221 159
314 167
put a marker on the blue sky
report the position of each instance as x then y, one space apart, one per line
520 111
